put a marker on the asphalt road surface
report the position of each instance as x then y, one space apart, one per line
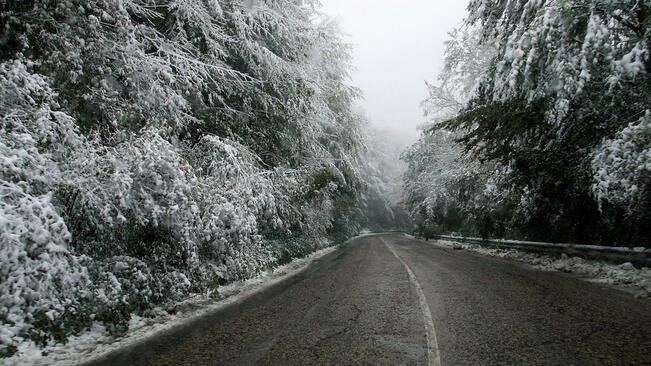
391 300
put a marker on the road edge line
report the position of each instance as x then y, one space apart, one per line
433 353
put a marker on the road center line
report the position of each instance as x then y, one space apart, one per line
433 354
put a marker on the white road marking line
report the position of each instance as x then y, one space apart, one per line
433 354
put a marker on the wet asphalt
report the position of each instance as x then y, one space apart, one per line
357 306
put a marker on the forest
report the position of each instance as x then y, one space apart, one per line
155 149
539 126
151 150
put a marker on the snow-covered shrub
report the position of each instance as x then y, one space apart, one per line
137 216
135 194
125 285
237 197
135 198
622 165
40 279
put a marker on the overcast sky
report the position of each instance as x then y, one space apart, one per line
398 45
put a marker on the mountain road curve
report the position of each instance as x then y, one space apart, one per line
388 299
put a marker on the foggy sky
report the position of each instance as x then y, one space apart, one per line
397 46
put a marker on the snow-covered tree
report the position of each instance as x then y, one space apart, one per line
566 76
444 189
189 143
466 61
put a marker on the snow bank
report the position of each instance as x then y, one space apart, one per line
621 276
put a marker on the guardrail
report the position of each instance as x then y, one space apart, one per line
637 256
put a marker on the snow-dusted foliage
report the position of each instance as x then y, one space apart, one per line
466 62
560 108
445 189
436 165
40 279
142 180
188 144
623 166
558 48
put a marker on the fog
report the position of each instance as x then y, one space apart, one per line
397 46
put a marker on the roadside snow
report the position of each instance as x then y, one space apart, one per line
97 342
624 276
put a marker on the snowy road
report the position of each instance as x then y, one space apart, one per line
363 305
